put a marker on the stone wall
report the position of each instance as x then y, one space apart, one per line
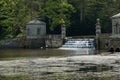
107 43
23 43
13 43
33 43
114 43
54 41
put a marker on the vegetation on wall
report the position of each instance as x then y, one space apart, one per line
79 15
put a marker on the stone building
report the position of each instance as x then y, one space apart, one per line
34 37
35 29
35 34
116 26
112 41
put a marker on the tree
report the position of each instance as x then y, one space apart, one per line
81 14
15 14
90 10
57 10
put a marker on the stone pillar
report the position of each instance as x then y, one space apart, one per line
63 30
98 33
98 28
113 28
118 29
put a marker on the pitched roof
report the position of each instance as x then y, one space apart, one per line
36 22
116 16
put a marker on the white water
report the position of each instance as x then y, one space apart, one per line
84 46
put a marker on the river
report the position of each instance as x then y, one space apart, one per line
55 64
32 53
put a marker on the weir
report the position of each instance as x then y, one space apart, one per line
84 46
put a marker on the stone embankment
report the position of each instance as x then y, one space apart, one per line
13 43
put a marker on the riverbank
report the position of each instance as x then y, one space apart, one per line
86 67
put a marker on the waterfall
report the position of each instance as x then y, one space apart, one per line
83 45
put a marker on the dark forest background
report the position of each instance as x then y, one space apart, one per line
79 15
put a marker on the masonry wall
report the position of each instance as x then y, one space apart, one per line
106 43
33 43
54 41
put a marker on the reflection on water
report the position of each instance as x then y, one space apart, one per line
15 53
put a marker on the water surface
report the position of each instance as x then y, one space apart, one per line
54 64
32 53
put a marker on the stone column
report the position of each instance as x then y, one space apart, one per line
113 29
63 30
98 33
98 28
118 29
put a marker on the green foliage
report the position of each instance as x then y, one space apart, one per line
80 15
89 10
14 14
57 10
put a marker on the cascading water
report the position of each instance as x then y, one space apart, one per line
84 46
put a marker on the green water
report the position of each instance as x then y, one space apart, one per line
32 53
53 64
